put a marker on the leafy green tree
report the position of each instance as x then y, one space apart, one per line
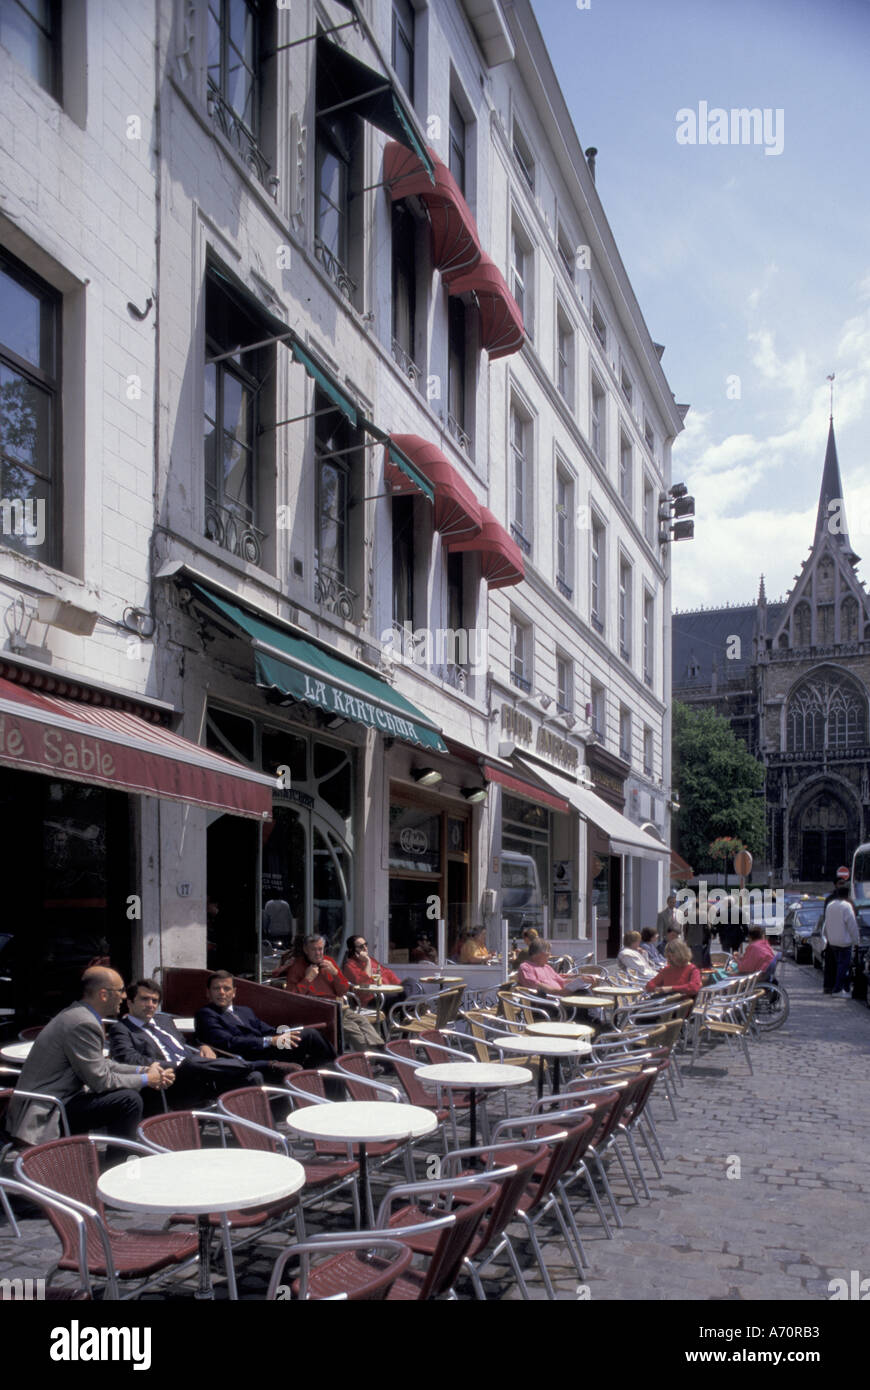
717 780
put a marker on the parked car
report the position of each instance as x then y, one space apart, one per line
771 917
800 919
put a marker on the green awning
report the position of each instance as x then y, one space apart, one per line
306 672
344 83
327 383
405 466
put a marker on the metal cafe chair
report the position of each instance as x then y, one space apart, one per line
74 1219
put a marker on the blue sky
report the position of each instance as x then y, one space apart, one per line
745 264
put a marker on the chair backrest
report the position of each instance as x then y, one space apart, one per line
447 1006
478 1022
28 1034
455 1240
176 1130
371 1266
610 1099
50 1205
358 1064
403 1052
68 1168
251 1103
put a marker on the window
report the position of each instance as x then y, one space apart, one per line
30 29
522 267
234 402
565 357
649 609
521 654
625 610
520 481
234 77
456 373
599 327
523 157
403 560
625 470
826 712
30 398
596 715
405 291
457 144
802 625
649 511
596 573
564 684
333 174
625 383
598 417
403 44
647 751
565 247
649 437
625 733
564 535
336 447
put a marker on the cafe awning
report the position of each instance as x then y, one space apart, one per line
528 787
501 323
402 475
111 748
625 837
501 561
455 240
345 84
303 671
457 511
680 869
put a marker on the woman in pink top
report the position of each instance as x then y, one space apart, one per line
679 976
538 973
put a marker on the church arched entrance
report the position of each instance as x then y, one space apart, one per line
827 832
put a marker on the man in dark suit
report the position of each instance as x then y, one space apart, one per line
236 1028
66 1061
145 1035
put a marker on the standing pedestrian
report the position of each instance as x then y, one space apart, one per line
840 932
667 920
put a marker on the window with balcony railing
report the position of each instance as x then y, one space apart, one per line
234 75
521 654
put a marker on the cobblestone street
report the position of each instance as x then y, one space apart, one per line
794 1219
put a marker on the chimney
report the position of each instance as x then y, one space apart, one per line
590 160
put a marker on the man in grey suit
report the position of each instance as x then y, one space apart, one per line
66 1061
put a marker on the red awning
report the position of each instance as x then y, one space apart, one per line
679 868
457 510
455 242
501 561
109 748
501 323
529 790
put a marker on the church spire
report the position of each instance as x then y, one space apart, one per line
831 514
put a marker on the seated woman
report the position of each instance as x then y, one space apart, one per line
422 952
360 968
473 950
649 947
679 976
520 957
633 960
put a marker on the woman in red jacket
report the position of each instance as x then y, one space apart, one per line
679 976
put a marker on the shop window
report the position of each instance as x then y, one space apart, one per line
525 862
31 31
415 839
30 401
282 749
236 73
239 392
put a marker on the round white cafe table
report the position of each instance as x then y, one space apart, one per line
541 1047
616 990
16 1052
442 979
361 1122
473 1077
204 1182
561 1030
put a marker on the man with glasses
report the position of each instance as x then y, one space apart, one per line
68 1056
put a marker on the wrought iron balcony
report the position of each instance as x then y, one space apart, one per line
457 676
234 532
331 592
334 268
462 439
406 362
521 681
234 129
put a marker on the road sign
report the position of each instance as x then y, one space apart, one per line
743 863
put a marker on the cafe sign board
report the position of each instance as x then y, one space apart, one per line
545 742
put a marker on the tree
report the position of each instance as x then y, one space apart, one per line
717 780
